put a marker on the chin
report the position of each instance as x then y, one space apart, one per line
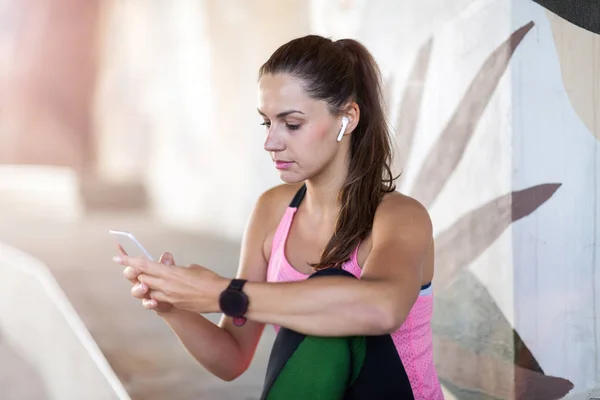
291 179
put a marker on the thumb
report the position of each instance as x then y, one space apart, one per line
166 258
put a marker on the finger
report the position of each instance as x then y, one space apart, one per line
167 259
140 290
149 304
131 274
151 282
157 295
142 264
128 272
121 250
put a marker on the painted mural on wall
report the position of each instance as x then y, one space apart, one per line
584 14
473 329
497 333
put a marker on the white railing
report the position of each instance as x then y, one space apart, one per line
38 322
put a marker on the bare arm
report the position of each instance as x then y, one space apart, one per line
214 348
227 350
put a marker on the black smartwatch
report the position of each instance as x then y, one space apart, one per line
233 302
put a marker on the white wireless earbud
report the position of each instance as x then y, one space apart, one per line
344 125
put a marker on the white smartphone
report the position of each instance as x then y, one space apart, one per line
130 244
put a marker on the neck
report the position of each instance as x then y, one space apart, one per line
322 191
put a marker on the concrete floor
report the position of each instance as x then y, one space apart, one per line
145 354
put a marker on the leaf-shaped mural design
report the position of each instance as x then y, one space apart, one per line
410 107
494 361
442 160
476 231
474 368
457 247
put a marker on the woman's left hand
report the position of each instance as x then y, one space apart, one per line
193 288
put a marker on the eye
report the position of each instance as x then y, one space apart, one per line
292 127
266 124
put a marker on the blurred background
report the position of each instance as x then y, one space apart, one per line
141 115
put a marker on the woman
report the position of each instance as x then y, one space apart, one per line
337 218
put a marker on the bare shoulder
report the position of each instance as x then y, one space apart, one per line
269 210
274 201
398 213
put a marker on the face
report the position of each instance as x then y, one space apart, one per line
300 132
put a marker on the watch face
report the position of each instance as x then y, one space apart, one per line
233 303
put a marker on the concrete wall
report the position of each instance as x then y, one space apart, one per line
555 251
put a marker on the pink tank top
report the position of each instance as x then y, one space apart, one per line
413 340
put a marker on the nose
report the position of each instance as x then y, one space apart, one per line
273 142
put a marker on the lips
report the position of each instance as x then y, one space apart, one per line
281 164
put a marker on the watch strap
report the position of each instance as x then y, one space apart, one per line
237 284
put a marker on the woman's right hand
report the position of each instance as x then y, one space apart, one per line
141 291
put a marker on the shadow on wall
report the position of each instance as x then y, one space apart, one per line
495 363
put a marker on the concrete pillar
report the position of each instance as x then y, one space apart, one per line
46 82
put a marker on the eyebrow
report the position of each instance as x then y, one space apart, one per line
282 114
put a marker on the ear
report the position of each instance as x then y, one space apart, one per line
352 112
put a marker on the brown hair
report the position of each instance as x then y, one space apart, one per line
339 72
